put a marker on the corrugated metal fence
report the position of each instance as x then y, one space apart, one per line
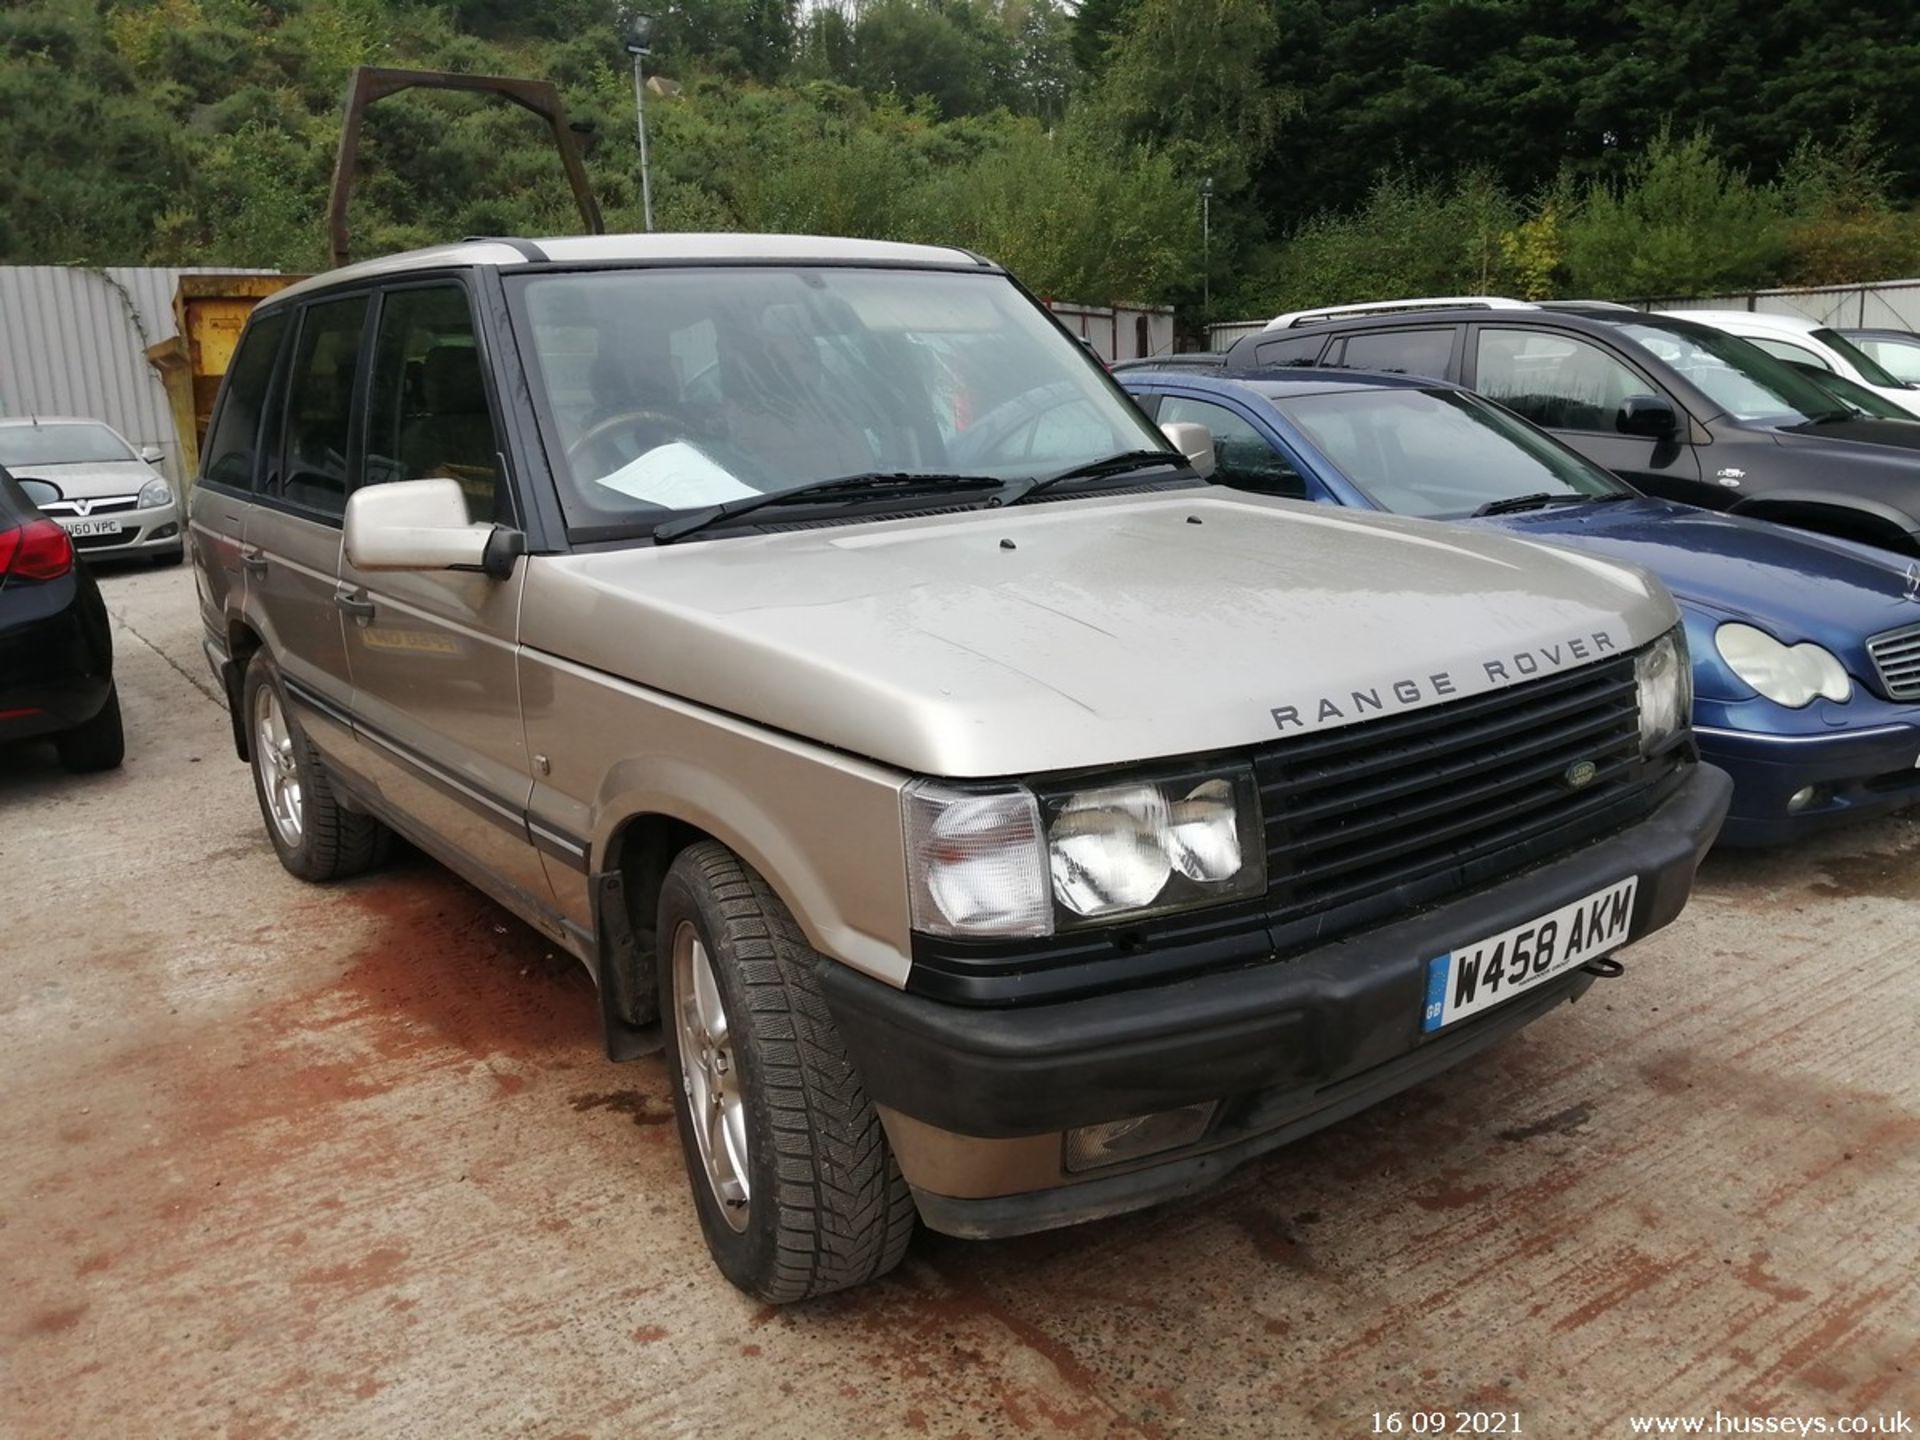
73 341
1887 305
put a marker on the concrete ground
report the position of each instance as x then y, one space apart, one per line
278 1160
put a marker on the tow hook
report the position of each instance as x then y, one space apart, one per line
1606 967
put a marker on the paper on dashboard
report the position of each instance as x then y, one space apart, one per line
677 476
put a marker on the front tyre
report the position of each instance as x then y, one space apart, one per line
797 1191
315 837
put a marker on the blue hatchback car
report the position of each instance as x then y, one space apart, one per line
1806 649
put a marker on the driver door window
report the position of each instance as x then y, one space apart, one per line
1557 381
429 417
1242 456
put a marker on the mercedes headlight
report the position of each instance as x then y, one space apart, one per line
1790 675
155 493
1007 862
1665 678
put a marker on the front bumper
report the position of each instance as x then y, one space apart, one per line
1860 759
976 1101
142 533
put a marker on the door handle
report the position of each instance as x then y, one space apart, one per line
356 605
253 560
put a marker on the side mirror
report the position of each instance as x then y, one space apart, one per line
150 454
1192 440
423 525
38 491
1647 415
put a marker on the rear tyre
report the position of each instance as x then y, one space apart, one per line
314 836
797 1191
100 744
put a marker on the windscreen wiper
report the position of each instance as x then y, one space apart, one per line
1510 503
1014 491
875 482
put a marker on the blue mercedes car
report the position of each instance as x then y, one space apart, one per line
1806 649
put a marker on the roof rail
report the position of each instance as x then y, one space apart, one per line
1586 305
1389 307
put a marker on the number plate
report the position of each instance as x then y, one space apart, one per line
1476 977
92 527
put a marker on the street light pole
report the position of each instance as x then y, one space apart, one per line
639 34
1206 244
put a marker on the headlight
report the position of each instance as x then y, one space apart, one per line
1665 677
975 862
1156 844
1005 862
1790 675
155 493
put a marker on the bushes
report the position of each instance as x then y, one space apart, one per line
1681 221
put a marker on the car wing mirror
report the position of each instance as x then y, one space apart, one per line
423 525
150 454
1194 441
1651 416
38 491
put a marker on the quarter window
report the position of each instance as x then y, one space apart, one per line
320 392
1300 350
1557 381
1243 457
1901 358
428 417
233 441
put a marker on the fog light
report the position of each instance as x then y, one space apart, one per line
1092 1146
166 532
1804 797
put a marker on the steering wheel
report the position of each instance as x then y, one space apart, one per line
599 434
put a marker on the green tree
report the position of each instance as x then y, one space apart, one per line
1683 222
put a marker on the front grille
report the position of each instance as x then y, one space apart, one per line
1896 655
104 542
1365 825
97 507
1376 808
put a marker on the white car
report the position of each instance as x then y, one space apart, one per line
1807 342
112 501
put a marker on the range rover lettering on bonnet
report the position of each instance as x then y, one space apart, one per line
1414 690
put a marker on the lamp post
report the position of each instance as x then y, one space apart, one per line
638 39
1206 245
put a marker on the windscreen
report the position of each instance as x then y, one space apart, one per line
665 390
60 443
1439 454
1737 375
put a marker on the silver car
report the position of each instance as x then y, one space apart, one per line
997 825
111 500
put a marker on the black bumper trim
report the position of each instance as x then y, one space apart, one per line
1319 1018
1277 1120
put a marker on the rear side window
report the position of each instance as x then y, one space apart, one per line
234 437
1300 350
1241 455
428 417
326 355
1555 380
1427 352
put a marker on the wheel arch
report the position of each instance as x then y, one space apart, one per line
1863 521
243 643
